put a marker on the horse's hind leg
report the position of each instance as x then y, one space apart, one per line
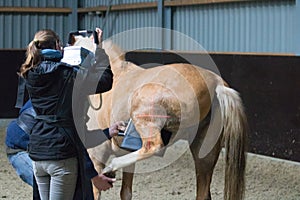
204 166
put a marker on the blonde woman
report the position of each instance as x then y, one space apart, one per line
61 165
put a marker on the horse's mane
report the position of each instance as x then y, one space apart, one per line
113 50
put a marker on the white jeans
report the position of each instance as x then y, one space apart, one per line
56 179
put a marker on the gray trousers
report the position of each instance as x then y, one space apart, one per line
56 179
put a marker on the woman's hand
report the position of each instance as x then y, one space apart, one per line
102 182
116 127
99 33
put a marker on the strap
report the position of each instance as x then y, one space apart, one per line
24 119
20 93
24 126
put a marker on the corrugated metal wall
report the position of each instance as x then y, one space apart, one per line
265 26
256 26
91 3
17 29
116 22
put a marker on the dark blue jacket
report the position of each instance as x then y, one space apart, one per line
58 93
56 90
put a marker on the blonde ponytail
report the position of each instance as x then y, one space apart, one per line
43 39
33 58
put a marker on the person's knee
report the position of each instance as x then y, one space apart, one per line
22 164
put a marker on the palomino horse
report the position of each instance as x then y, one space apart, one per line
177 98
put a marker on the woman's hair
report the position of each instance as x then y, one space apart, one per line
43 39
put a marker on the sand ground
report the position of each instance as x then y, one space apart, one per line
266 179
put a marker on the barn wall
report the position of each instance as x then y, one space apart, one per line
117 22
266 26
18 28
261 26
10 61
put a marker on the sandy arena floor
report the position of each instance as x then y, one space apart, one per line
267 179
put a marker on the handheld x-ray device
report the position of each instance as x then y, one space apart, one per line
78 55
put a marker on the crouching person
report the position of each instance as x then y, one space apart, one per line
16 141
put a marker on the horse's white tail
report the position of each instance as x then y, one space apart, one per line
235 138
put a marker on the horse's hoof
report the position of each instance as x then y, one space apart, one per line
107 171
110 174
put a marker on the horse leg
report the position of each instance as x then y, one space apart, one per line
127 180
204 166
151 145
99 155
151 106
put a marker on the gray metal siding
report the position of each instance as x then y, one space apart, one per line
91 3
238 27
116 22
17 29
36 3
256 26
